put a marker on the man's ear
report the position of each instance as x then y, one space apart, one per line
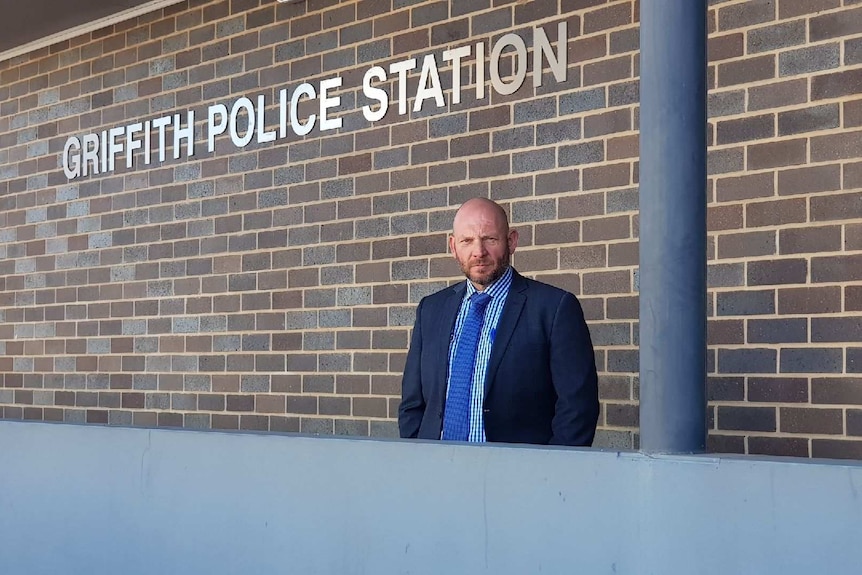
452 246
513 240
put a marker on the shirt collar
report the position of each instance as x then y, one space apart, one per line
499 286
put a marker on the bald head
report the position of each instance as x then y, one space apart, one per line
481 209
481 241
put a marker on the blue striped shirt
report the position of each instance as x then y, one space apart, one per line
499 291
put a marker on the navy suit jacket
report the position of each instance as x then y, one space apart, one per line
541 384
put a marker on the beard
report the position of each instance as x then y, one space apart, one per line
486 271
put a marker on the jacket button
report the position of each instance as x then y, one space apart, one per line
486 411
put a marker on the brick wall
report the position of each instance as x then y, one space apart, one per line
273 287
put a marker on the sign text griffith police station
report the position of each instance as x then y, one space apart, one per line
97 153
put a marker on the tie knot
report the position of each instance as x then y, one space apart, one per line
479 301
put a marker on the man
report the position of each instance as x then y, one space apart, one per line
498 357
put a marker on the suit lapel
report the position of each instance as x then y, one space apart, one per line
446 326
506 326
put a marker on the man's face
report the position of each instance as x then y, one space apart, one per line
482 244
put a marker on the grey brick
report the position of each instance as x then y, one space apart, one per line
185 324
812 360
290 50
511 138
853 51
158 363
449 125
351 427
323 42
725 103
402 315
390 203
624 94
184 402
254 384
304 235
67 193
98 381
146 345
559 131
317 341
582 101
212 323
339 59
373 51
75 415
157 401
196 420
745 303
425 199
75 381
854 360
809 59
623 360
725 275
242 163
391 158
336 275
586 153
536 110
145 382
491 21
388 429
227 343
371 228
420 290
512 188
120 417
776 36
193 382
784 330
301 319
255 342
316 426
622 200
534 160
611 334
36 214
98 346
409 270
442 221
230 27
134 327
318 255
750 360
409 224
319 297
337 188
335 318
353 296
289 175
534 210
338 362
184 363
808 119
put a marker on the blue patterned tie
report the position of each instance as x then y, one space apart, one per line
456 421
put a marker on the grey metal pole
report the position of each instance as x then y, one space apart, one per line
673 226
